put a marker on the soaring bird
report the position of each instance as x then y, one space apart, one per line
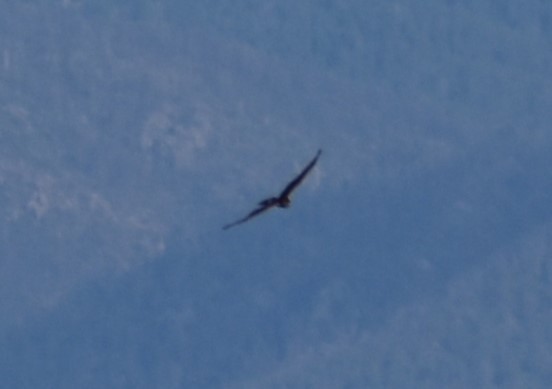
282 200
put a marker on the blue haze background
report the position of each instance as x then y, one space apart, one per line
417 254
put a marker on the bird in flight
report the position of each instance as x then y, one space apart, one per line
282 200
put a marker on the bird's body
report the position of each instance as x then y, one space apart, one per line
281 201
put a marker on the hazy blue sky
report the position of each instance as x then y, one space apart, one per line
416 255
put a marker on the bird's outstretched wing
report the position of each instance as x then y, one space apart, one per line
255 212
297 180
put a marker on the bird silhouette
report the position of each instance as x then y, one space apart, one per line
282 200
